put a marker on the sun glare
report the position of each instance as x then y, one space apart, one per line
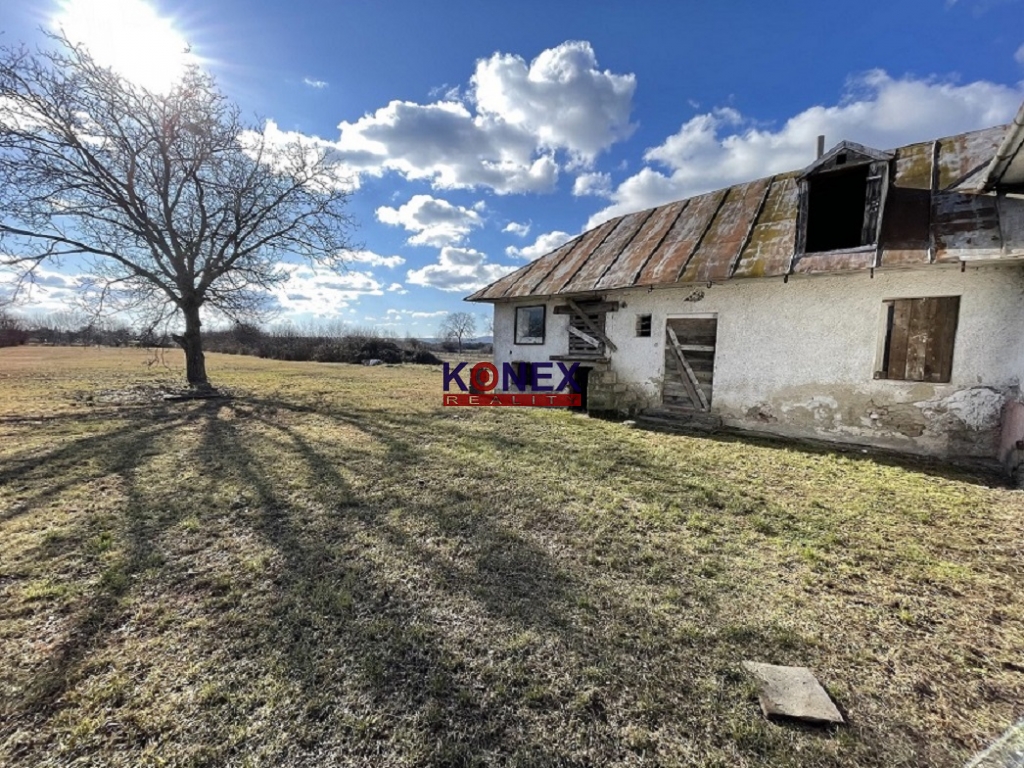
129 36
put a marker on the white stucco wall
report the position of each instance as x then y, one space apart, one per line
799 358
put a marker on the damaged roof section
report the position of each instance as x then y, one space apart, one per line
932 212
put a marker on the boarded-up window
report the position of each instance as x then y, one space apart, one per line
582 341
919 339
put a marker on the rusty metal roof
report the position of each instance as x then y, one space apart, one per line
749 230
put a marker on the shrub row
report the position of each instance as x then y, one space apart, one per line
344 349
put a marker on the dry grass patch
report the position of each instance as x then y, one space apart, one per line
332 569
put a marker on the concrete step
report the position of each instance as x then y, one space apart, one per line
678 419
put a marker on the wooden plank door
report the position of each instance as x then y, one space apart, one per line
689 363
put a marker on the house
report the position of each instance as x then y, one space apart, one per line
874 297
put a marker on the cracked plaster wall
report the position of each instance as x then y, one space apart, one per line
799 358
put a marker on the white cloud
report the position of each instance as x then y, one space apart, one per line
374 259
313 83
397 288
593 185
436 222
46 291
445 92
344 169
1019 55
544 244
396 313
447 145
518 229
458 269
503 135
561 98
462 257
314 291
722 147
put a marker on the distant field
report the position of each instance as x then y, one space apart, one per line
331 569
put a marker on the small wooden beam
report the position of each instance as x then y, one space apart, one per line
604 306
583 357
689 378
590 325
587 338
696 348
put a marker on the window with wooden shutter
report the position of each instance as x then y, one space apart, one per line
919 339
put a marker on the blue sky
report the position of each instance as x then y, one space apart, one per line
479 135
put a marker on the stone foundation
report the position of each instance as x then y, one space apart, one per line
607 395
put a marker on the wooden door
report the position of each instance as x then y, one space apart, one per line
689 363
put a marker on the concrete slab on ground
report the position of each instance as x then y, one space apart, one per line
792 692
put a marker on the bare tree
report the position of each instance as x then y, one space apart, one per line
457 326
172 201
12 330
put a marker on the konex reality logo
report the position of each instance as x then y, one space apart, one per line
533 384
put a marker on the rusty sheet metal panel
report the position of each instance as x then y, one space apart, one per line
896 257
905 227
962 159
721 245
498 288
966 227
852 260
539 270
771 244
606 253
623 273
674 251
914 166
564 271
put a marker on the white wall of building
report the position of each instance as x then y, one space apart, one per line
556 338
799 358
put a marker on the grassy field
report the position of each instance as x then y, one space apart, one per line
331 569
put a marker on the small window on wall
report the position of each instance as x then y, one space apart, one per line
919 339
643 325
530 325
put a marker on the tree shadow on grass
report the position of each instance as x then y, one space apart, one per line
118 452
429 607
80 460
417 621
353 619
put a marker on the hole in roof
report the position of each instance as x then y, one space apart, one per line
841 158
836 210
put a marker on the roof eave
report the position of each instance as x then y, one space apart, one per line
1009 153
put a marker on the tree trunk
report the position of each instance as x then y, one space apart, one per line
192 342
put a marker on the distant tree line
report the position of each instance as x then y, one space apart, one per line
70 328
325 343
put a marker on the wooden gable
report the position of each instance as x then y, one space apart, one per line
846 154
